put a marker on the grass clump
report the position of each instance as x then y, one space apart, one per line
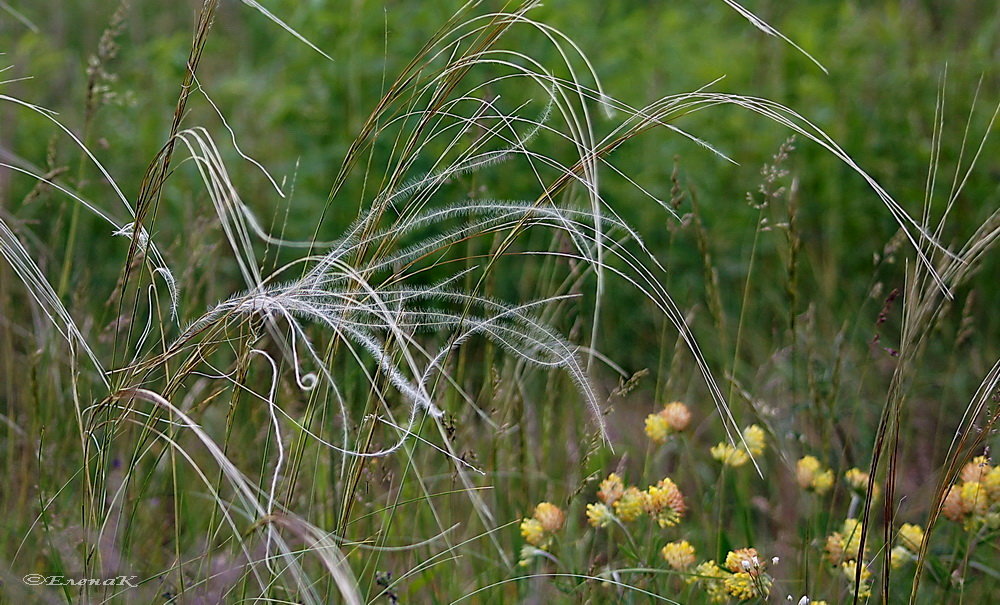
442 369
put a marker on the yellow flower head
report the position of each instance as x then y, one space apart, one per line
745 586
900 556
710 577
744 560
755 439
852 538
992 484
679 555
858 480
677 414
810 475
850 569
974 498
976 469
823 482
550 516
729 455
528 553
599 515
631 505
665 503
611 489
844 545
951 506
674 417
835 548
805 470
911 536
532 531
706 572
657 427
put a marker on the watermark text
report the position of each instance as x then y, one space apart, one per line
37 579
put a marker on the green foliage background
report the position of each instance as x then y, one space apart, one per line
296 112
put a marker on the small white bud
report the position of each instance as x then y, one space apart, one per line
804 601
775 560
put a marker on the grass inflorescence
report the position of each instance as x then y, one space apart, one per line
504 348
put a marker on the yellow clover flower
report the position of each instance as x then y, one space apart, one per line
992 484
631 505
677 414
599 515
611 489
679 555
974 498
744 560
823 482
811 476
844 545
745 586
805 470
911 536
711 578
858 480
665 503
755 439
657 427
550 516
850 569
532 531
951 506
729 455
900 556
546 520
976 469
674 417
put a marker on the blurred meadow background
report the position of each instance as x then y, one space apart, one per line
439 302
